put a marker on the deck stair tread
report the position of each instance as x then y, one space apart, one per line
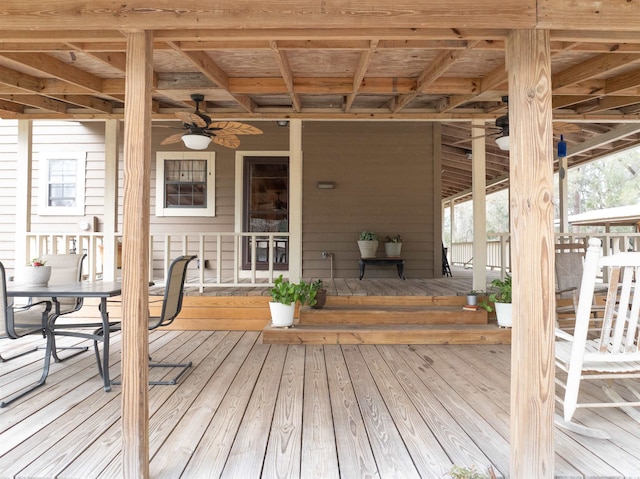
390 320
388 334
392 314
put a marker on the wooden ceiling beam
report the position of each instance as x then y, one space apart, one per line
606 103
592 68
55 68
361 70
86 101
10 107
287 75
623 81
431 73
205 64
117 60
37 101
18 80
104 14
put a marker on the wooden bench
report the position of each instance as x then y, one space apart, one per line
398 262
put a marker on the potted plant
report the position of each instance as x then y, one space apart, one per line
457 472
320 293
393 246
368 244
37 273
472 297
284 296
501 298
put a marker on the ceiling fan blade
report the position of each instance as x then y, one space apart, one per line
191 118
175 138
235 127
229 140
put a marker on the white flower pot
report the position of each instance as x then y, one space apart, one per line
37 275
282 314
392 250
368 248
504 314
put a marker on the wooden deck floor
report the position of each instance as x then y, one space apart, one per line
460 282
249 410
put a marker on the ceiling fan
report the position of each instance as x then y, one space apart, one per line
502 127
199 130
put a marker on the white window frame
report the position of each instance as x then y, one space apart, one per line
210 156
44 163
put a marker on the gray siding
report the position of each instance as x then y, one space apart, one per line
383 171
384 179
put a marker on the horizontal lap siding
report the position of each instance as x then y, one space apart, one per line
8 158
273 138
383 175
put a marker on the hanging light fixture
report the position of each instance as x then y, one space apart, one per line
562 147
503 142
196 142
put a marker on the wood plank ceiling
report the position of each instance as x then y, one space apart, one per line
433 74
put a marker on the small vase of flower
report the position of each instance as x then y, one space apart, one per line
36 273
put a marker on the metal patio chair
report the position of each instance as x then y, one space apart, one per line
65 268
612 358
171 307
17 322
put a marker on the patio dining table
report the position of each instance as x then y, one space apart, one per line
83 289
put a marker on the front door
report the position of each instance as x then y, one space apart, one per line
266 209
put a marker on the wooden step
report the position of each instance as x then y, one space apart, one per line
375 314
388 334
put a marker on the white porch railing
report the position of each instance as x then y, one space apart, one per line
498 254
220 255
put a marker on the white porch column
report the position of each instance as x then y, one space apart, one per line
109 250
532 242
479 193
24 169
295 199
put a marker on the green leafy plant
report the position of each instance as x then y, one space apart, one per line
37 262
457 472
501 293
286 292
394 239
368 236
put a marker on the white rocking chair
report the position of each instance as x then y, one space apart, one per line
613 357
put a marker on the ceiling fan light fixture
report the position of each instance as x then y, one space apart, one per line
196 142
503 142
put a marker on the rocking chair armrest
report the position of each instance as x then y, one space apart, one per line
560 334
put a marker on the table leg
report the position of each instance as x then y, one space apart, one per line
361 269
400 267
105 344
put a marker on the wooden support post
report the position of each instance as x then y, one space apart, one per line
532 243
135 256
